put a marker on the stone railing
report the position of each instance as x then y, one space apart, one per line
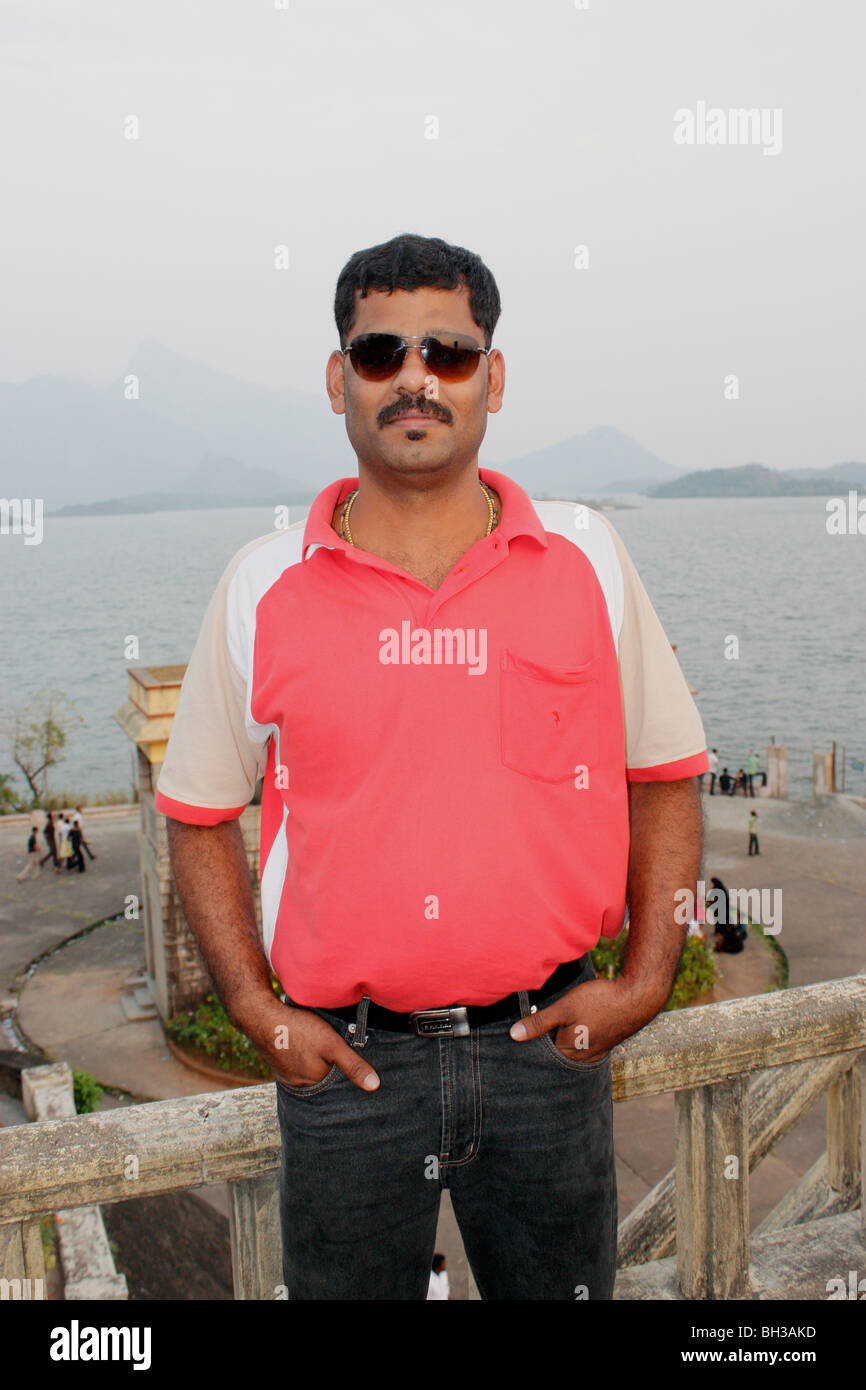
85 1253
802 1041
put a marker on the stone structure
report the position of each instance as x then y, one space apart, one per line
176 974
777 771
823 774
88 1265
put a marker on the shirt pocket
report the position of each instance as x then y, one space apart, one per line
548 717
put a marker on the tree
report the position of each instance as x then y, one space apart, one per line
8 795
38 732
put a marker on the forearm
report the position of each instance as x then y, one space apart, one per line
666 831
212 875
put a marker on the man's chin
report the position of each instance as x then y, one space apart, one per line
413 457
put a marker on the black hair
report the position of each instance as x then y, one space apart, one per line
438 1262
409 262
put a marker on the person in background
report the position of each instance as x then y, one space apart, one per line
31 868
77 857
754 767
729 936
64 852
725 784
753 833
439 1286
732 939
51 841
740 781
78 820
714 768
717 907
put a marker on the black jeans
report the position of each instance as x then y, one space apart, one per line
520 1135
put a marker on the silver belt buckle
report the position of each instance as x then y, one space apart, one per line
440 1023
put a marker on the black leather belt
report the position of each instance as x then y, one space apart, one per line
457 1020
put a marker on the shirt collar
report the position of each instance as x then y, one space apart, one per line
519 517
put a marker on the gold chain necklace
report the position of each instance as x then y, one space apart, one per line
347 507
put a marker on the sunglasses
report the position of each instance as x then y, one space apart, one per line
378 356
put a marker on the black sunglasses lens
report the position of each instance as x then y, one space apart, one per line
449 360
377 356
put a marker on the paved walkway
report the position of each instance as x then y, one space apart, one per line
70 1006
38 914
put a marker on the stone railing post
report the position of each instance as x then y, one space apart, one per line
862 1160
85 1254
712 1190
822 774
256 1241
22 1264
777 771
843 1130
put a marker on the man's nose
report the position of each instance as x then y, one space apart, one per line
414 373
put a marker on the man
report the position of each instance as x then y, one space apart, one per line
78 819
475 744
77 860
729 936
50 840
718 909
64 849
753 766
31 868
714 768
753 833
439 1286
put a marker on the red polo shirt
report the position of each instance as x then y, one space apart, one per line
444 811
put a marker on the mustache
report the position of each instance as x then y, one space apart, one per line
424 406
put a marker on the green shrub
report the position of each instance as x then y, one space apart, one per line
10 801
86 1091
608 955
209 1030
48 1234
696 972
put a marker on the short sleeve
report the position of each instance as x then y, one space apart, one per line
664 733
211 764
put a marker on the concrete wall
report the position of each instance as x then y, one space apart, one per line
174 962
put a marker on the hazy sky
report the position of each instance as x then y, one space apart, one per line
305 125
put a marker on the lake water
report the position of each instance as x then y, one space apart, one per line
762 570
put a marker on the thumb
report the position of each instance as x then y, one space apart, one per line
532 1025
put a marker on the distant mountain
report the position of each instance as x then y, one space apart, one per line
178 502
68 442
854 472
217 482
601 460
751 480
226 477
197 431
287 431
